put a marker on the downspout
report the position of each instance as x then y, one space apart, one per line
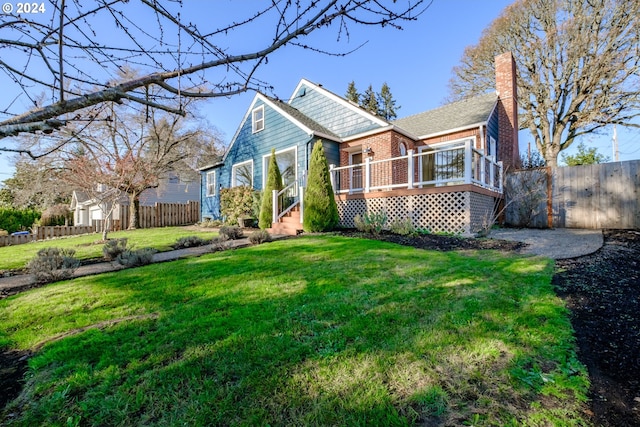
482 141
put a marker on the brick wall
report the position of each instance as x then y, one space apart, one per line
506 86
385 145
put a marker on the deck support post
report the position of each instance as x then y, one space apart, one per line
409 169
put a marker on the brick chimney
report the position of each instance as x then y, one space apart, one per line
506 87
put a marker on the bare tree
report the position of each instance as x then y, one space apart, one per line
137 150
578 64
96 179
65 59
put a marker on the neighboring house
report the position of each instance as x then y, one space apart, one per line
441 168
90 211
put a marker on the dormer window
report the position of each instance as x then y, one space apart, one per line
258 119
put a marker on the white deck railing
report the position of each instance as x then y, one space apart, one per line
449 166
286 199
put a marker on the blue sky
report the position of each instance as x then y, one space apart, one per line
416 63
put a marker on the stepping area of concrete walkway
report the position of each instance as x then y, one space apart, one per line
559 243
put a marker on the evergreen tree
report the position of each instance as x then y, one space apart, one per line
274 182
370 101
352 93
387 103
381 104
320 209
584 156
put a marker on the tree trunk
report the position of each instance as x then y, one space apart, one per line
105 227
551 161
553 148
134 211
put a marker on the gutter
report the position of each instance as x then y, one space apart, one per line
211 166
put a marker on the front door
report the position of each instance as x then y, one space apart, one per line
356 172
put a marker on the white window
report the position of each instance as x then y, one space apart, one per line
257 119
287 161
402 149
493 147
445 163
211 183
242 174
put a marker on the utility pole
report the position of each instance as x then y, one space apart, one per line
616 153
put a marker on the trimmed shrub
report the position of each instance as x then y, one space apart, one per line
52 264
259 236
190 242
113 248
56 215
210 223
220 243
237 202
320 209
135 258
403 227
274 182
231 232
372 223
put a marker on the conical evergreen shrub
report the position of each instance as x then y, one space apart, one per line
274 182
320 209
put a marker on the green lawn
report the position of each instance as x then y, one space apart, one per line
89 246
319 330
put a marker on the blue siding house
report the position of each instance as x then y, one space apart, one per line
442 168
289 128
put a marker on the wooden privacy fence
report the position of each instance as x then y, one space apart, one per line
161 215
48 232
605 195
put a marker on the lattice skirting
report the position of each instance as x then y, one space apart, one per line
483 211
459 212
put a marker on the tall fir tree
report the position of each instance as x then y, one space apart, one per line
388 105
352 93
274 182
320 209
381 104
370 101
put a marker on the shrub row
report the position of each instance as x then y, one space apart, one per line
376 222
53 264
13 220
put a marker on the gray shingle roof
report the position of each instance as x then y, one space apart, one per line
81 196
456 115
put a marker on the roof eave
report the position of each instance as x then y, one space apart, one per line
325 136
380 130
458 129
211 166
